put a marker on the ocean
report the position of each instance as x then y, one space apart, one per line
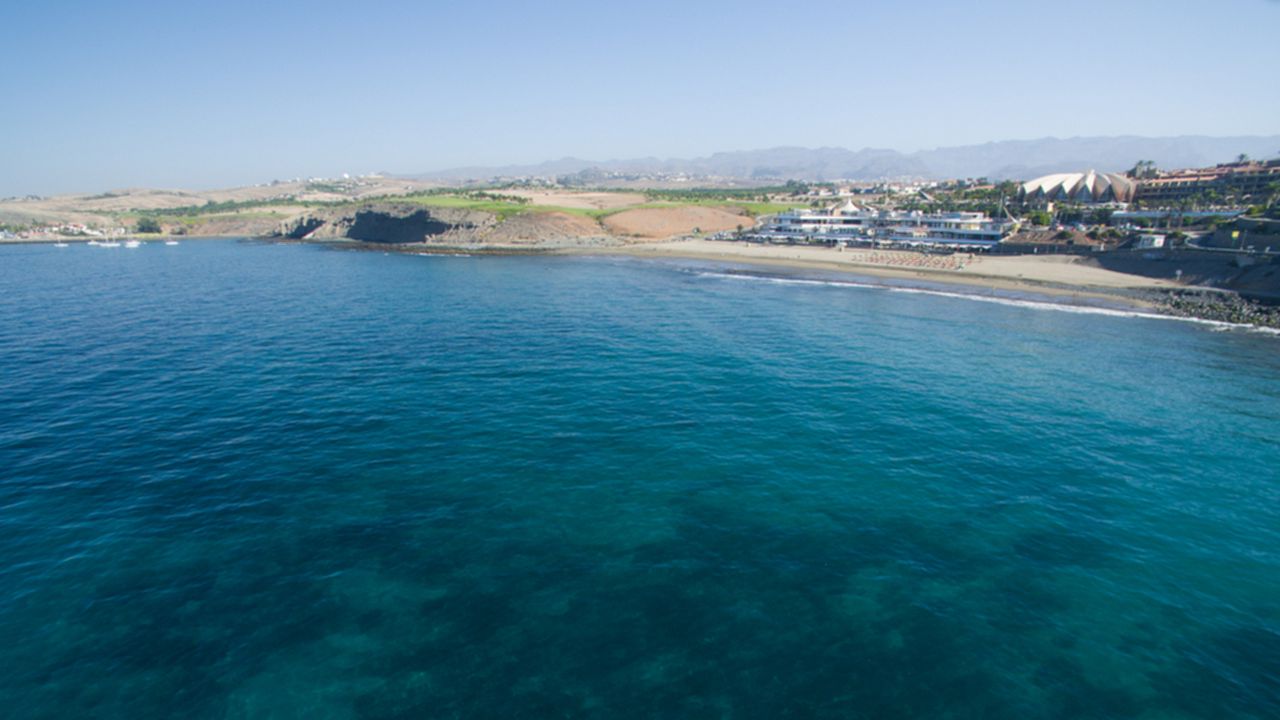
243 480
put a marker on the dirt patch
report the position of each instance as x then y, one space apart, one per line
658 223
579 200
542 227
248 225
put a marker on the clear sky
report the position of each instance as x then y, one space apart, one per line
98 95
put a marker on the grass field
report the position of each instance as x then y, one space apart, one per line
500 207
507 208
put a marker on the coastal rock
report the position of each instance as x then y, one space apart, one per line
391 223
1220 306
301 227
383 227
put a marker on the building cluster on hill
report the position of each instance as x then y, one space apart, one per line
1095 211
63 230
1242 179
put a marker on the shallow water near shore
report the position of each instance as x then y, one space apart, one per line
242 480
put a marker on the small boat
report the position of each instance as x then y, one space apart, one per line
109 243
170 242
132 243
94 242
61 244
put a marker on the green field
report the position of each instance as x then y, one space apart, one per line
507 208
503 206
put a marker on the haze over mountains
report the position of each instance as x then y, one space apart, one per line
1005 160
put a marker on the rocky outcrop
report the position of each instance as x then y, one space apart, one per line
383 227
392 223
301 227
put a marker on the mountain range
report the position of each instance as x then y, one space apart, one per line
1004 160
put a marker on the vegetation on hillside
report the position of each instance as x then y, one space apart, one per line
147 225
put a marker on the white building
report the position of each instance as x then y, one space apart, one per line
1085 187
852 223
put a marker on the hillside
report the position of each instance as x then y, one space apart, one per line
383 210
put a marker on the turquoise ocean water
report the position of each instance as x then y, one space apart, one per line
265 481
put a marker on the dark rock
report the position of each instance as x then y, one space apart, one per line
382 227
1221 307
302 227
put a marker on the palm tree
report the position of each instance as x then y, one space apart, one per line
1143 169
1273 194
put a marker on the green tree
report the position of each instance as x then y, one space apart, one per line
148 225
1008 188
1273 193
1039 217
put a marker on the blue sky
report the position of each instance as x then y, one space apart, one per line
104 95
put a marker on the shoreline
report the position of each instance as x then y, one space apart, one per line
1156 305
83 240
1136 294
1045 279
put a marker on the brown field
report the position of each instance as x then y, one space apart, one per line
662 223
578 200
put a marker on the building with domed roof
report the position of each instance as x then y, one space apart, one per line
1080 187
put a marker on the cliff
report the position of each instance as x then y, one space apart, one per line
395 223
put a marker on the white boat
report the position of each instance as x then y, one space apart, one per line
109 243
61 244
132 243
94 242
170 242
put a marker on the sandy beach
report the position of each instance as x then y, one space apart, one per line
1056 275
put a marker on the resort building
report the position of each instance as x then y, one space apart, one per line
1086 187
1241 179
849 223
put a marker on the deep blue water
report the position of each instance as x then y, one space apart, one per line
257 481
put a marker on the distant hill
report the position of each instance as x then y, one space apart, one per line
1009 159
